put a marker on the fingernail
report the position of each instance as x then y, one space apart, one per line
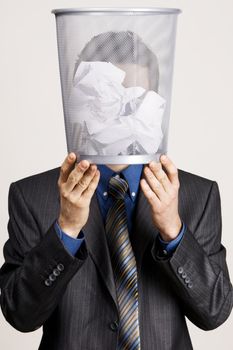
84 165
71 156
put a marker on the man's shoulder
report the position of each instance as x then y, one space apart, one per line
187 176
45 179
194 182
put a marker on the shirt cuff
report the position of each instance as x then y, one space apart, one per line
171 246
70 243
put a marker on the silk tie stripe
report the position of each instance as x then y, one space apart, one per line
124 267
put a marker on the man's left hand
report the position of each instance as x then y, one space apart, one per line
161 189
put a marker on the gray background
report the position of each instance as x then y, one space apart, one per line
32 136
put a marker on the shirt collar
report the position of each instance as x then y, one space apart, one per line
132 175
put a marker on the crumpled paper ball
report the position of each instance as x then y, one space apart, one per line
109 119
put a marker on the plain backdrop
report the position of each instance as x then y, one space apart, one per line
32 136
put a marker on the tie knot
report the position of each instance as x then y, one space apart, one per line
117 187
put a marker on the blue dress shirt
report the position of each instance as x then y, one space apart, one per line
132 175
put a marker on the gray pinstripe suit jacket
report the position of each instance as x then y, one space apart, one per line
79 309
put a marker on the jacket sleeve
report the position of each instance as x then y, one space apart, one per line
197 270
37 267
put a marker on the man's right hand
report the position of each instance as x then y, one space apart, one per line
77 184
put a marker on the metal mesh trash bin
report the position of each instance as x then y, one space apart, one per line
116 70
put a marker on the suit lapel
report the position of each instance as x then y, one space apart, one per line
143 229
97 246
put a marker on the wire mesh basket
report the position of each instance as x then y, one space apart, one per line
116 67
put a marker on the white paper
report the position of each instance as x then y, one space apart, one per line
111 119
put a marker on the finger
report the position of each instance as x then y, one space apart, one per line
160 174
75 175
149 194
171 169
66 167
84 182
88 193
155 185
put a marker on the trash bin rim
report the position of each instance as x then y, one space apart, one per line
117 10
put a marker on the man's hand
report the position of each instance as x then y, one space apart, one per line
77 184
161 189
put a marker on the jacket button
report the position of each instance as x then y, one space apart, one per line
184 275
187 279
60 267
114 326
180 270
52 277
56 272
48 282
190 285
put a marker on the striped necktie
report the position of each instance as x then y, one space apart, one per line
124 267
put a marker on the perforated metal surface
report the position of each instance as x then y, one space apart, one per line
116 77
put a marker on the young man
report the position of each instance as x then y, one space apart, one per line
62 270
